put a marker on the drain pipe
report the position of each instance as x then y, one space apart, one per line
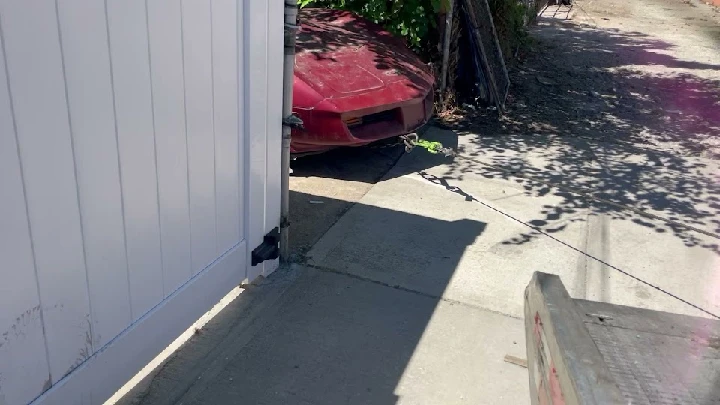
289 122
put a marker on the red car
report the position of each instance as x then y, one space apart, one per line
354 83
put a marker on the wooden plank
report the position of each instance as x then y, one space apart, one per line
166 67
489 49
515 360
275 40
197 56
127 27
90 99
23 359
37 83
230 136
256 19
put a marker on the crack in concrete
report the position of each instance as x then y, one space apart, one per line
405 289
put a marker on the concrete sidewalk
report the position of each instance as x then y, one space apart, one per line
415 295
310 336
334 339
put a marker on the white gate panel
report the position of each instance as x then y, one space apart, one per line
129 56
264 33
139 166
37 88
197 55
92 120
275 42
256 82
23 361
166 70
228 114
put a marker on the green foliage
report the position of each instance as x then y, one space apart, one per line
415 20
511 18
411 19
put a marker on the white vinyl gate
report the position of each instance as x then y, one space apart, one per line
139 165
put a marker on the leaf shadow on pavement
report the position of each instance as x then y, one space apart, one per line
587 116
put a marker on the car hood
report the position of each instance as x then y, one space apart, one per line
339 55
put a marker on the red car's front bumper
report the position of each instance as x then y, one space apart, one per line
324 130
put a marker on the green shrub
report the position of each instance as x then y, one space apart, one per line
416 20
411 19
511 18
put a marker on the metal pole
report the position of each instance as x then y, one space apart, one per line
289 121
446 45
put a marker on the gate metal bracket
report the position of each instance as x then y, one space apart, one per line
293 121
268 250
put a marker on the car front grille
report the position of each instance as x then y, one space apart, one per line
382 116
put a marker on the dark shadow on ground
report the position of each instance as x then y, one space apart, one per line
367 164
312 215
328 337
